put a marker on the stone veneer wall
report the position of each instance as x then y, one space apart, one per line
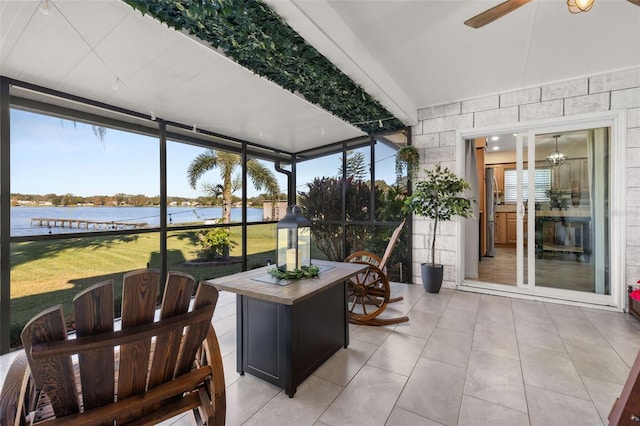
435 137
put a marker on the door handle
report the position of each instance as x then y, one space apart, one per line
520 210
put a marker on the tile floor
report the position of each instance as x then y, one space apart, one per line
462 359
578 272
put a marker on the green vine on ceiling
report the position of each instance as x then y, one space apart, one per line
254 36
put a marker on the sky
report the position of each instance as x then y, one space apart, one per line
53 155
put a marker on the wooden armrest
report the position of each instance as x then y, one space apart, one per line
183 384
14 393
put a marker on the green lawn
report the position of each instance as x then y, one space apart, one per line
45 274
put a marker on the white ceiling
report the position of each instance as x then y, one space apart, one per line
433 58
408 54
545 143
82 47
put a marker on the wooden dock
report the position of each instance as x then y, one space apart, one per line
84 223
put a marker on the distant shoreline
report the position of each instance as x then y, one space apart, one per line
257 206
22 217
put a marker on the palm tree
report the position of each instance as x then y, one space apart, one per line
261 176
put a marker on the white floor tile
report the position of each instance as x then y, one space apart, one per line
434 391
476 412
547 408
531 362
367 400
496 379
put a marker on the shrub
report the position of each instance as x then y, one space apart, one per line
214 243
322 205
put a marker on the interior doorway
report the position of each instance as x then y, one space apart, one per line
544 200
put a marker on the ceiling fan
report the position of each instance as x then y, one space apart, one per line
498 11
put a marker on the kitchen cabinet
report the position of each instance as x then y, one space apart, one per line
500 228
512 226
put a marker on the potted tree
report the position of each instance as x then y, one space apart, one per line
438 197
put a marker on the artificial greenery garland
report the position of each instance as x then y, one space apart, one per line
253 35
304 272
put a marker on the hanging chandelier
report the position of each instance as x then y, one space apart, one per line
577 6
556 158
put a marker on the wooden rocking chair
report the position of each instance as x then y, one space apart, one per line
147 372
369 292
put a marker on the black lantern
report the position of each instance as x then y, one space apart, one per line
294 240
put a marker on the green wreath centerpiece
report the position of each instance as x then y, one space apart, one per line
304 272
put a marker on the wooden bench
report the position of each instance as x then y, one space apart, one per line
148 371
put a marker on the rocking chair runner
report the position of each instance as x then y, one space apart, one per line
369 292
147 372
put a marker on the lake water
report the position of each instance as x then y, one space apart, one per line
21 216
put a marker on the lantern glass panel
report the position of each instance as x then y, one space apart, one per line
304 246
284 249
294 240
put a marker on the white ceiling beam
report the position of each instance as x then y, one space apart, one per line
322 27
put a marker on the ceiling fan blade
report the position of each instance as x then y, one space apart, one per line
498 11
636 2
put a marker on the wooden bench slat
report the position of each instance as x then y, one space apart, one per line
93 309
175 301
207 294
54 375
139 295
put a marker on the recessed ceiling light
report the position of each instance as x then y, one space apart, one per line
495 138
495 148
515 134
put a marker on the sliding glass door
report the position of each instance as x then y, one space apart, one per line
545 226
568 206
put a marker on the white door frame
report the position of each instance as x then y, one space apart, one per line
617 121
